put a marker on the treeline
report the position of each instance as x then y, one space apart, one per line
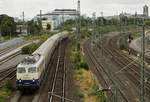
101 21
7 25
34 27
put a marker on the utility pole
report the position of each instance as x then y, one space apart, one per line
94 28
142 95
23 26
79 22
102 18
40 20
135 21
40 15
101 42
23 16
121 22
78 25
62 21
94 24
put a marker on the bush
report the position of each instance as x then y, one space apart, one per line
99 94
79 93
77 57
84 65
8 85
6 90
30 48
78 47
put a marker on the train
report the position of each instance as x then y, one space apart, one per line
30 72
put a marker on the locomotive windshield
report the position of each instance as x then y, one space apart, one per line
32 70
21 70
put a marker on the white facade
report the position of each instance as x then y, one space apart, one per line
46 22
58 16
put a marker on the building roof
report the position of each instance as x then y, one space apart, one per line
72 10
62 12
145 6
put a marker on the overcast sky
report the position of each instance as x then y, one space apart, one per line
109 7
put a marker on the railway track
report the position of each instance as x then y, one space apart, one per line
10 56
4 51
40 95
8 49
105 77
57 93
8 73
130 75
133 70
129 83
54 86
9 53
54 80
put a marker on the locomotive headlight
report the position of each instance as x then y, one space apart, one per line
20 80
33 80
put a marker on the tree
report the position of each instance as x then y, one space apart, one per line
33 27
30 27
48 27
7 25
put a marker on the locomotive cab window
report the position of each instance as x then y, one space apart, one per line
21 70
32 70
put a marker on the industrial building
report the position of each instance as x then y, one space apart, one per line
56 17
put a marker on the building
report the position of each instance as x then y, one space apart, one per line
58 16
145 11
45 24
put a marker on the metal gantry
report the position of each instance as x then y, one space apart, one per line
94 27
142 94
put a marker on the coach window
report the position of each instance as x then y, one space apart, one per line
21 70
32 70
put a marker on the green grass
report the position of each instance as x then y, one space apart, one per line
78 59
5 91
35 37
79 93
136 35
100 94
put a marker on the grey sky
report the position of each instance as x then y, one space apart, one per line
109 7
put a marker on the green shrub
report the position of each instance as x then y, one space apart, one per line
84 65
77 57
79 93
30 48
8 85
78 47
99 94
6 90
